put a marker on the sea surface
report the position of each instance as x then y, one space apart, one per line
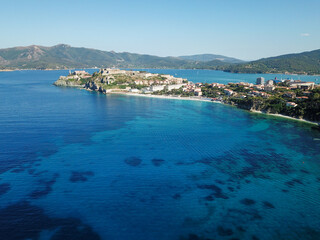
81 165
210 76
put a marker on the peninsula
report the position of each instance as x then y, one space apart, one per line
292 98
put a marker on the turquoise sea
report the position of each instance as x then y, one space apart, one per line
81 165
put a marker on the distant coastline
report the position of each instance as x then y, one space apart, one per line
209 69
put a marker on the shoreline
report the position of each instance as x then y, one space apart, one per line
208 100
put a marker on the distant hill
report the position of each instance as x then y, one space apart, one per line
299 63
64 56
211 57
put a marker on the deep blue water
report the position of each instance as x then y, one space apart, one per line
82 165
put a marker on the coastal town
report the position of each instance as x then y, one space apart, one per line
294 98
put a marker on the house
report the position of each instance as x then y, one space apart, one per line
291 104
198 93
302 98
270 82
174 86
228 92
269 88
264 94
154 88
134 90
302 85
258 87
289 95
138 82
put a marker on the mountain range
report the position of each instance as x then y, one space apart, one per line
211 57
299 63
63 56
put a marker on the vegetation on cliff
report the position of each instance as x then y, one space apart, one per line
274 102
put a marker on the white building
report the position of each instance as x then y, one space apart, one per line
174 86
157 88
107 71
302 85
269 88
260 81
291 104
134 90
228 92
270 82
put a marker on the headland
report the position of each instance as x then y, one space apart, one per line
293 99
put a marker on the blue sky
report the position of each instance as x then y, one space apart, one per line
246 29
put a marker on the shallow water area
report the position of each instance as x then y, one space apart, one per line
82 165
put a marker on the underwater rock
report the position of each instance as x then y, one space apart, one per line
80 176
224 232
4 188
293 182
217 191
157 162
133 161
45 187
267 205
22 221
247 201
176 196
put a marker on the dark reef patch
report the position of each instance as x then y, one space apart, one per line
157 162
74 230
80 176
241 229
293 182
258 165
24 221
36 174
193 236
247 201
16 163
45 187
133 161
216 191
4 188
224 232
219 181
254 237
176 196
245 215
304 171
267 205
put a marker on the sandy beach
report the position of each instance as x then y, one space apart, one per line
209 100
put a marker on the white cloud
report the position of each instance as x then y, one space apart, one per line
305 34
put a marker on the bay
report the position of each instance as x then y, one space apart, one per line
82 165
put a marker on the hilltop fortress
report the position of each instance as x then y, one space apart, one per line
109 80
